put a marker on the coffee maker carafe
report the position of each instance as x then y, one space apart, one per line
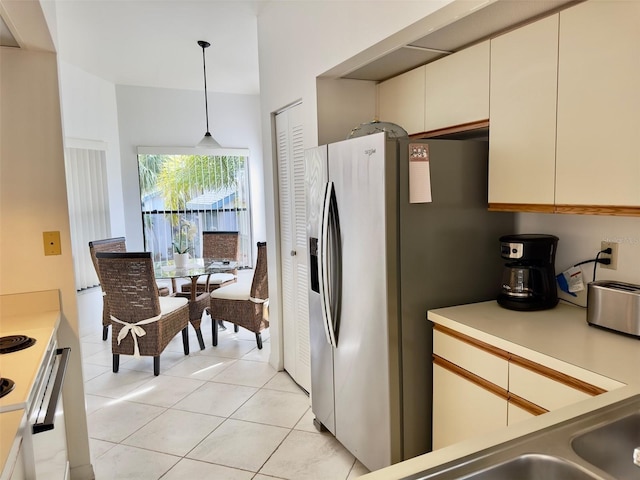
529 278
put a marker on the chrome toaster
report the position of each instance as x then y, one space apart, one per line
615 306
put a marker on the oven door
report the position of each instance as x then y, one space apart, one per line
45 439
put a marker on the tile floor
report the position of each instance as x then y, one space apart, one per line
221 413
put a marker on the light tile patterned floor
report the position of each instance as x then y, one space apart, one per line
222 413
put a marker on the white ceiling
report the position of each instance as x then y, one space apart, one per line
154 42
456 29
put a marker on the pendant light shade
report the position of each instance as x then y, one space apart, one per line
207 141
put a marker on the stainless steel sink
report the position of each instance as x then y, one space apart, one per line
610 446
533 467
596 445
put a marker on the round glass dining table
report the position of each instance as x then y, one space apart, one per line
194 269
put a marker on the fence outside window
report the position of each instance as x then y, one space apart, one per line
183 195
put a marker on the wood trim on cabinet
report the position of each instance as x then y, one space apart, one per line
617 210
526 405
521 207
472 377
559 377
472 341
463 127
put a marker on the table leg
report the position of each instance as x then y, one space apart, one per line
194 296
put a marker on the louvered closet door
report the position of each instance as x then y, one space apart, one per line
293 244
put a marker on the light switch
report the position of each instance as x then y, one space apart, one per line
51 243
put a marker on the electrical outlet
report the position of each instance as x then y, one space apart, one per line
613 255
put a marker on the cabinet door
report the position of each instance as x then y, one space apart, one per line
542 390
457 88
599 104
517 414
523 114
474 359
463 409
401 100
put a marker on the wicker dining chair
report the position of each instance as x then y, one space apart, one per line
221 245
244 304
142 321
196 309
116 244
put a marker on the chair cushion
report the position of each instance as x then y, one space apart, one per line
169 304
235 291
216 278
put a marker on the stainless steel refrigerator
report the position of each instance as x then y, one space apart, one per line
377 263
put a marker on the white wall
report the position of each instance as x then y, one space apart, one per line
33 199
342 105
297 42
158 117
580 237
89 112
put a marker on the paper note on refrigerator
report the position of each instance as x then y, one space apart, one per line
419 173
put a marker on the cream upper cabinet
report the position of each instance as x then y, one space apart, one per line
401 100
599 104
457 88
522 136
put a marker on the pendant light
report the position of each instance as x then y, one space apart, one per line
207 141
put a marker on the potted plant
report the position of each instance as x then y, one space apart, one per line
181 246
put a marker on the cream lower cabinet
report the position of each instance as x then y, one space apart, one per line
478 388
463 408
516 413
544 391
469 388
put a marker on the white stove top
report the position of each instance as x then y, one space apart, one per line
23 366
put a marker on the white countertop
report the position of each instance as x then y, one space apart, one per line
561 333
558 335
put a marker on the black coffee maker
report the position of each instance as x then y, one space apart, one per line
529 278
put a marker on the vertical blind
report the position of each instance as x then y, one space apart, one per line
88 198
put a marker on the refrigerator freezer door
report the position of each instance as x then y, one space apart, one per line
361 358
322 396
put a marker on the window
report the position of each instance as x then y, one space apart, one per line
186 193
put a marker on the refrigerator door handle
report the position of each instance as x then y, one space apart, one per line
325 286
336 265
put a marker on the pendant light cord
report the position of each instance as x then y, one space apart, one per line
204 45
